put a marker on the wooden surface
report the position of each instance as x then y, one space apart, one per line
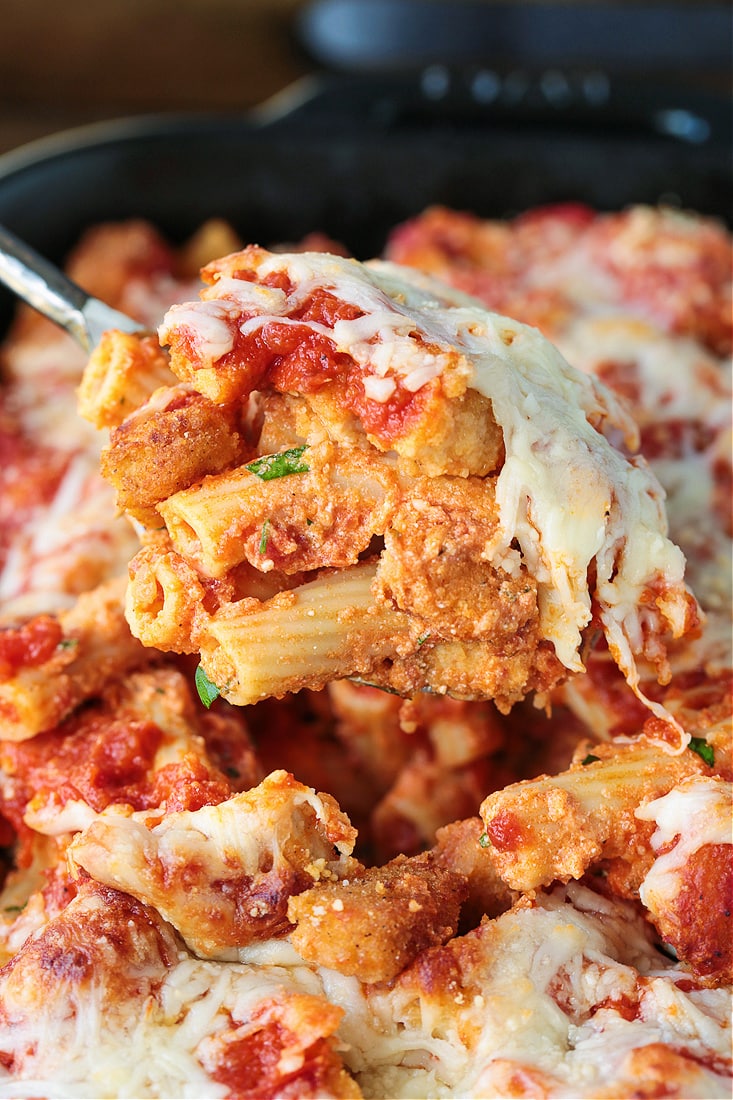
78 61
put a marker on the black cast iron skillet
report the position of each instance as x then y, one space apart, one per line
619 35
353 155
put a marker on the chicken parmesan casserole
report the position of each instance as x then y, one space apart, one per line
365 667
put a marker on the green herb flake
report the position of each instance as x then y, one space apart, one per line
422 639
484 841
13 908
705 751
368 684
207 690
68 643
269 467
590 759
264 537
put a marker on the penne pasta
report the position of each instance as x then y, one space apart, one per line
556 827
163 596
324 517
324 630
122 373
91 648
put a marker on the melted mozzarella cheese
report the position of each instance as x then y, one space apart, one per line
82 1046
212 320
279 825
678 383
691 816
566 495
72 543
544 989
75 540
677 378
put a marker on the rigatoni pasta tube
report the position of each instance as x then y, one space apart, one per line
321 516
162 600
323 630
122 373
96 647
554 827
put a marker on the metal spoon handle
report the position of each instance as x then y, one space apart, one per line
39 283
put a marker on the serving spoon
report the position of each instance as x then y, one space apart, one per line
40 283
48 290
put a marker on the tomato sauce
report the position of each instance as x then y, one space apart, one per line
505 831
29 645
104 761
185 785
100 761
293 358
290 356
250 1066
676 438
29 478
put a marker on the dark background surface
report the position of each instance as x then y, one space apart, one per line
65 64
79 61
532 108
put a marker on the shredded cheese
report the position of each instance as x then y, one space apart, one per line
569 500
554 981
691 816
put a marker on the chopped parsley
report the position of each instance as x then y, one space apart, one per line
484 841
269 467
705 751
422 639
68 643
590 759
207 690
264 536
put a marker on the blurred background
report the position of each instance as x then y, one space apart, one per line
374 110
84 60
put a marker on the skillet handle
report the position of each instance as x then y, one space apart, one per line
483 100
379 35
638 69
